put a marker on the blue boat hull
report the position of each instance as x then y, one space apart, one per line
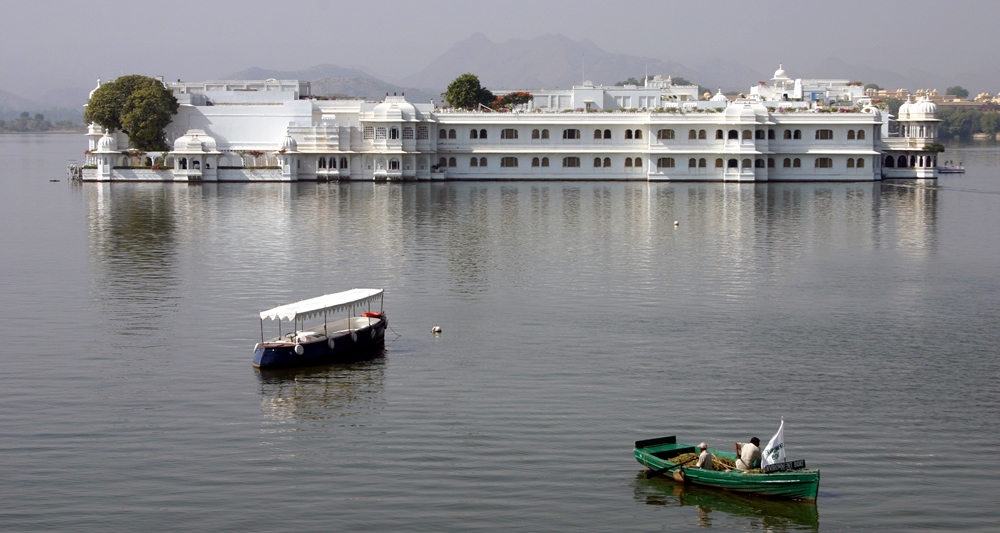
347 348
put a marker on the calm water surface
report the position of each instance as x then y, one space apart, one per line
577 318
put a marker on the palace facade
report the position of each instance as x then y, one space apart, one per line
275 130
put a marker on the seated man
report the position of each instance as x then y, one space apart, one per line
705 459
748 453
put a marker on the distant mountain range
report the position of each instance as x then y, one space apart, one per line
545 62
551 61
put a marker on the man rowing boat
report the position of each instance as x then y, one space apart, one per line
748 453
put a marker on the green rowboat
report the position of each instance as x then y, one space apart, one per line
799 484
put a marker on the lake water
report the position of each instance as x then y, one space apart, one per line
577 318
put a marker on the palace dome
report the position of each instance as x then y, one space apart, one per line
395 108
107 144
780 73
924 106
195 141
288 144
719 97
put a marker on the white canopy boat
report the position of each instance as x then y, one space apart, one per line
343 340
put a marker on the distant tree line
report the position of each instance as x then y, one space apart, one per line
27 123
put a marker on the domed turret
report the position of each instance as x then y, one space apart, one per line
719 97
779 75
923 106
195 141
904 110
107 143
288 144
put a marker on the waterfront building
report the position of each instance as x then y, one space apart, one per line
276 130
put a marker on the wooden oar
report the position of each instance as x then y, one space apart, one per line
667 469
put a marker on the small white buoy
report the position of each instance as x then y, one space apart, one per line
436 330
299 349
677 223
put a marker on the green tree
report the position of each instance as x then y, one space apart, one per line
137 105
630 81
465 92
25 114
873 86
990 123
39 117
958 91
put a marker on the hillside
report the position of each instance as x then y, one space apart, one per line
551 61
331 80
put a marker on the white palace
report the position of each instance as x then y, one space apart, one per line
275 130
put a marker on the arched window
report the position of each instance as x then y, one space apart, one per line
824 162
333 162
628 134
571 162
746 163
508 162
850 137
861 135
545 135
535 134
442 134
759 135
394 164
747 135
770 135
718 163
184 163
545 161
482 161
442 162
797 134
343 163
482 134
321 163
474 162
850 162
733 163
195 164
638 162
913 161
692 163
638 134
452 162
394 134
890 161
692 135
597 162
796 163
861 162
733 134
758 163
473 134
571 134
597 134
665 135
702 135
787 163
628 162
607 134
719 135
786 135
770 162
534 160
824 135
702 163
607 162
452 135
665 162
901 163
508 133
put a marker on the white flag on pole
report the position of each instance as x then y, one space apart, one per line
774 452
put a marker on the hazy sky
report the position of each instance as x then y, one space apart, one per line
51 44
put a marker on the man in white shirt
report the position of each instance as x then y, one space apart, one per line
748 453
705 459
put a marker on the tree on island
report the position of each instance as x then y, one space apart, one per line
873 86
512 100
958 91
465 92
137 105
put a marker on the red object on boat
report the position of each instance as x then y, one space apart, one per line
372 314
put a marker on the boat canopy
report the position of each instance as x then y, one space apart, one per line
341 301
